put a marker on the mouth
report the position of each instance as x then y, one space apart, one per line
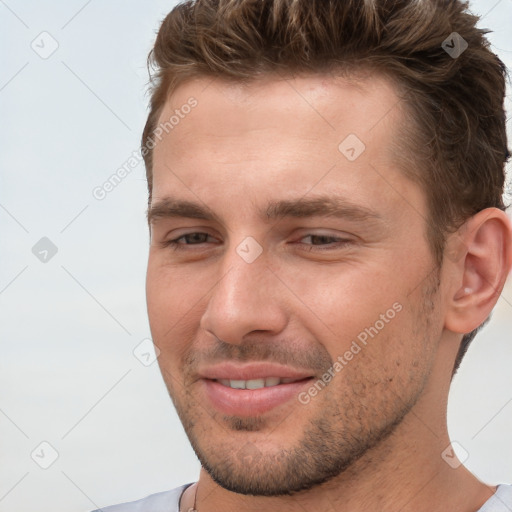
267 382
255 396
251 388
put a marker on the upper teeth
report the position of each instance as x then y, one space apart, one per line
254 383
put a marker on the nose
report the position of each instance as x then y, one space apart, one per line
247 297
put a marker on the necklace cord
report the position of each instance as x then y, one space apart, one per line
194 509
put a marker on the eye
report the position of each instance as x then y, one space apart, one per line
196 237
318 242
323 240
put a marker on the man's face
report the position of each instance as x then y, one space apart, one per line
345 306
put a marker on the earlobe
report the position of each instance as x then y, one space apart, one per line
478 276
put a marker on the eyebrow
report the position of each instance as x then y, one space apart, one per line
318 206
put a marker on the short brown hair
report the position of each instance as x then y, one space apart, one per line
455 143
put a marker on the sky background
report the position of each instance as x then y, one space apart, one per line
70 325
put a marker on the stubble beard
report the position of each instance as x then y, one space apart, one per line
345 428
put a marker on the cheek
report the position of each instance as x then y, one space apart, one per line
376 332
344 303
169 305
384 365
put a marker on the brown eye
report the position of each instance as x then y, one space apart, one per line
320 241
194 238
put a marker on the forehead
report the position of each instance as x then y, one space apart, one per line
280 132
310 106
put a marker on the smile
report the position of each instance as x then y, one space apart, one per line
255 383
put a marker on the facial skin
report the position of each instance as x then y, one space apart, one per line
239 149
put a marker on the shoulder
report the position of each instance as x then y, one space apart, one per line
501 501
166 501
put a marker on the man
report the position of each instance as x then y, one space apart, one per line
327 235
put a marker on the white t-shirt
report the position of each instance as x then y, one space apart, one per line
168 501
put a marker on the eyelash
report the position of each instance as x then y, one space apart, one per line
175 245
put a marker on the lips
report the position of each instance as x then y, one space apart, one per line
252 371
267 382
251 389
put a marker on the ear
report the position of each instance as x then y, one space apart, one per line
481 259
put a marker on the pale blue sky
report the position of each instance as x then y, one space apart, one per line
69 326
